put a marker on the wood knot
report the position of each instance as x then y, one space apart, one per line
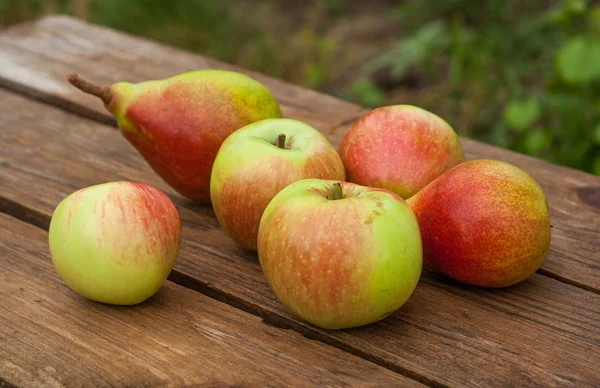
590 196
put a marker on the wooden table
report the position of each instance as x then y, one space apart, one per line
216 322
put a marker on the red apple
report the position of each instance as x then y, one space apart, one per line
340 255
400 148
256 162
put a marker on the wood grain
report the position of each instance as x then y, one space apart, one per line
49 336
36 57
542 332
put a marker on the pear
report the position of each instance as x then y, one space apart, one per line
484 223
178 124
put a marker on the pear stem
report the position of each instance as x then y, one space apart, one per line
336 191
281 140
102 92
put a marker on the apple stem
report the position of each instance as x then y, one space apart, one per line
102 92
336 191
281 140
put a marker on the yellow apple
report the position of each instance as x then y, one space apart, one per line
116 242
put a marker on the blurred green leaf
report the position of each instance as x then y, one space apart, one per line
367 93
314 76
579 60
536 141
594 19
567 10
597 134
413 50
336 6
500 136
596 165
574 6
461 52
580 149
519 114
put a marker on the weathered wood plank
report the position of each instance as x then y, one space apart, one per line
540 332
49 336
37 56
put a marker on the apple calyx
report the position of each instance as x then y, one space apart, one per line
336 191
102 92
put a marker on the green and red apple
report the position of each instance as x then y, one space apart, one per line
485 223
256 162
401 148
340 255
116 242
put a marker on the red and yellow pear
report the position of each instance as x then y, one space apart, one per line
178 124
484 223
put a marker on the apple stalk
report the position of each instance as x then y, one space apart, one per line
281 140
336 191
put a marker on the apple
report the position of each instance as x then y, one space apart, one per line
256 162
340 255
401 148
115 242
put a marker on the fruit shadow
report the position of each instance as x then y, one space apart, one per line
156 301
422 311
439 280
201 217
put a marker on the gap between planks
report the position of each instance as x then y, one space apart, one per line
562 279
42 221
81 111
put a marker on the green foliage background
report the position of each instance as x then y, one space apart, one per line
523 75
529 72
